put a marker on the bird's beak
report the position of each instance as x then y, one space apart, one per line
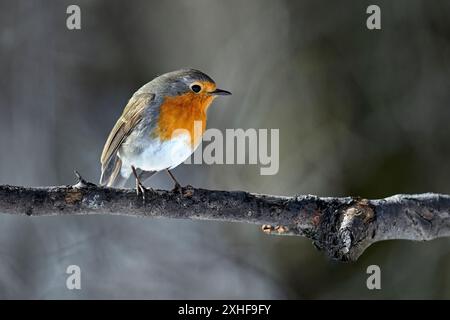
220 92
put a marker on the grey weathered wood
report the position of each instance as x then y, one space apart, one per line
343 227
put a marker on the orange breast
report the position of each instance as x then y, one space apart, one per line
181 112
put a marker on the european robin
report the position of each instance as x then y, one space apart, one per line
156 129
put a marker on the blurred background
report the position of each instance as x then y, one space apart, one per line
360 112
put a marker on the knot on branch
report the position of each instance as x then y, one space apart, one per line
81 183
346 230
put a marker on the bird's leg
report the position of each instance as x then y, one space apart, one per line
177 185
139 186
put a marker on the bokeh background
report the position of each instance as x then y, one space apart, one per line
360 113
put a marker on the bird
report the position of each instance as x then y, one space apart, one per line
156 129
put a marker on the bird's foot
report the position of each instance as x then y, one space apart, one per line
186 191
178 188
142 191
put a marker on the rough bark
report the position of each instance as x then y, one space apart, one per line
343 227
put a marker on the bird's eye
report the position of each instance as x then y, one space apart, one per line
196 88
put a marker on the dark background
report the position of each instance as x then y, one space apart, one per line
360 112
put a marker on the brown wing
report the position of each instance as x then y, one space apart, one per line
130 117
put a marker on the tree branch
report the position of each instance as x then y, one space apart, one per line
343 227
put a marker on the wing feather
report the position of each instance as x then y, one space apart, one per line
131 116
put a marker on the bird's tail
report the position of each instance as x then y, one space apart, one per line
111 176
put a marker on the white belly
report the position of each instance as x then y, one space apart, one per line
156 155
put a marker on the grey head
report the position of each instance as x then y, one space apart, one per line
180 82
